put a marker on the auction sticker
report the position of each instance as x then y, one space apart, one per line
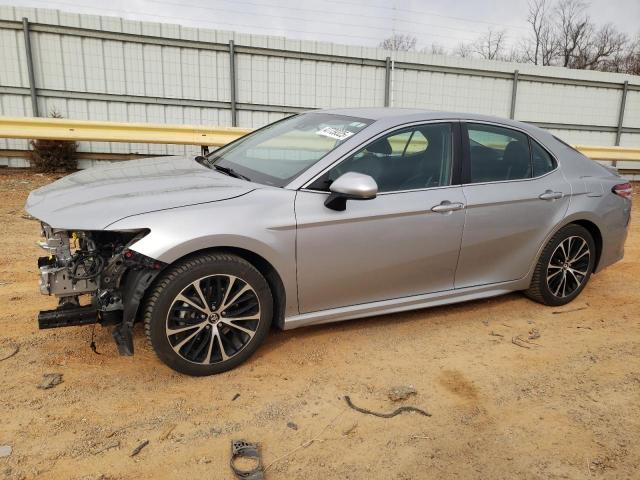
336 133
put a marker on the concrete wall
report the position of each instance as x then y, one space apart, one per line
108 68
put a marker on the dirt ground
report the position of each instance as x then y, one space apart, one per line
568 406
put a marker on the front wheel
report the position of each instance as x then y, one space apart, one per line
208 314
564 267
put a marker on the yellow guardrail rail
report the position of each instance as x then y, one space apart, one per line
82 130
622 154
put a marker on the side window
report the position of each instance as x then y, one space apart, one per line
409 159
399 142
417 144
497 153
541 160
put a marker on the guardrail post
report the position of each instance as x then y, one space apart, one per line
32 78
387 81
514 94
232 80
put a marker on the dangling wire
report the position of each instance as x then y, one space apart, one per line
92 345
92 265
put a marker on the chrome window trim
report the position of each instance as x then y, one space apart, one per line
306 188
510 181
529 136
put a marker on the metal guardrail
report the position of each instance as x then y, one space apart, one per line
81 130
621 154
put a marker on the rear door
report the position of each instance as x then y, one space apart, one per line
515 195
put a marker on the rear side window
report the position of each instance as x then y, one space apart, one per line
497 154
541 160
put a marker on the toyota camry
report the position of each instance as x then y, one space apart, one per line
324 216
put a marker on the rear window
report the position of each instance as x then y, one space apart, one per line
542 161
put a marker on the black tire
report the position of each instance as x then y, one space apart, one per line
549 292
165 312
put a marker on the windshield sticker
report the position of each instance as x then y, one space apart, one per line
336 133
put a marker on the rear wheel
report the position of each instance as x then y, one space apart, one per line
564 268
208 314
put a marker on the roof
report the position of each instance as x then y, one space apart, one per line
385 118
405 115
378 113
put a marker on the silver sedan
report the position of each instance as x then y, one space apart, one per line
324 216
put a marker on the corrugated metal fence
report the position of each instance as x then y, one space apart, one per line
107 68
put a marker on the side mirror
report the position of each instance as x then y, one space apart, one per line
351 185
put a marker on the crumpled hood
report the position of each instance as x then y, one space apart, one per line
94 198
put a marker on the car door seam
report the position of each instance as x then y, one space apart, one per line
295 250
464 226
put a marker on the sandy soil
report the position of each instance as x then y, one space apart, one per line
567 407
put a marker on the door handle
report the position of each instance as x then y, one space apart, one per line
550 195
446 207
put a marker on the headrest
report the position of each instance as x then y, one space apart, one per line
515 150
381 146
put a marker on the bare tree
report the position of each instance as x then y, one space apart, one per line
599 48
549 45
513 55
490 45
573 29
463 50
542 45
631 60
536 19
399 42
624 60
632 63
560 33
573 40
435 49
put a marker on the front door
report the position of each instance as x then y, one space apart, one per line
395 245
515 196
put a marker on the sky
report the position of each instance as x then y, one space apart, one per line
354 22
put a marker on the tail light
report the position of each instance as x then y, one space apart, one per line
623 189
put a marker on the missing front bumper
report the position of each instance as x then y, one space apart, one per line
67 316
58 281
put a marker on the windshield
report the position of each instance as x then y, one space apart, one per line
277 153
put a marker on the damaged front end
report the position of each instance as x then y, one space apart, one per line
97 279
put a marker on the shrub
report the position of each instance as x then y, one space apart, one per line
53 155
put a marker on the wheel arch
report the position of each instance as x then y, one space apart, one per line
266 268
595 232
585 220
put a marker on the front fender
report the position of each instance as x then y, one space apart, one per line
262 222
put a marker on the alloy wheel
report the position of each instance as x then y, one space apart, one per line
568 266
212 319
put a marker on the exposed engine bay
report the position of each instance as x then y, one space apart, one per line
96 278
